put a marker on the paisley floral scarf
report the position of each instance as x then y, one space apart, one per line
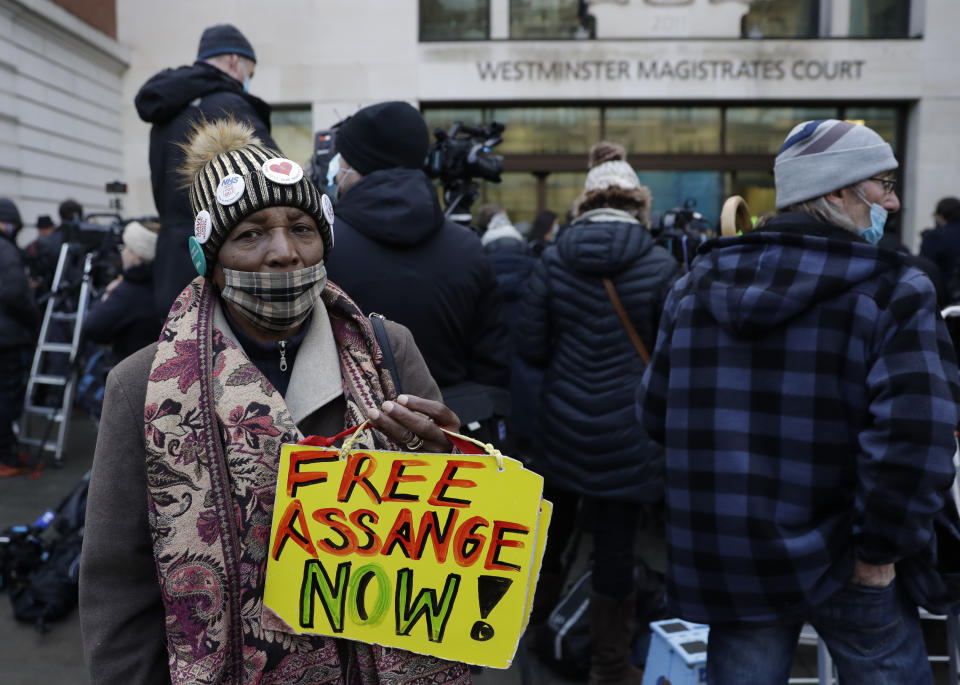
214 426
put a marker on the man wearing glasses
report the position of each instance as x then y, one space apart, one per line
806 392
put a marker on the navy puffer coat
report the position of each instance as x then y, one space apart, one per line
591 440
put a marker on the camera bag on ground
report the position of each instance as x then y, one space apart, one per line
50 591
46 589
563 642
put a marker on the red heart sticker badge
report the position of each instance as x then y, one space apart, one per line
282 171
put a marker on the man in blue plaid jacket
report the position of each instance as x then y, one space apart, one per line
806 392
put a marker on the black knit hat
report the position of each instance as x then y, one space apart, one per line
232 174
224 39
9 214
384 136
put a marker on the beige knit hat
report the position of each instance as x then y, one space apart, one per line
140 240
231 175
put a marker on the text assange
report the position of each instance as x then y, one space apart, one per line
694 70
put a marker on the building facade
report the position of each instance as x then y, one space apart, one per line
61 107
702 92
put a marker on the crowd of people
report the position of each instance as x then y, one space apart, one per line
788 398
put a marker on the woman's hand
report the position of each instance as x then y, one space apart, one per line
415 423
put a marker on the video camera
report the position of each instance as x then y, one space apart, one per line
459 155
680 231
324 149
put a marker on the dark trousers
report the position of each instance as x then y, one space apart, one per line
614 527
873 634
14 366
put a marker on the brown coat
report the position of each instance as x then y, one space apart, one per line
121 611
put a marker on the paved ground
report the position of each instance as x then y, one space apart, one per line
30 658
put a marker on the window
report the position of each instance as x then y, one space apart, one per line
701 190
445 118
536 19
781 19
883 120
517 193
683 130
701 152
756 187
879 18
762 130
454 19
292 130
548 129
563 187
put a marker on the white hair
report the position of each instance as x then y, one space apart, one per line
821 209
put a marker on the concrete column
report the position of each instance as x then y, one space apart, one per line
932 168
839 18
499 19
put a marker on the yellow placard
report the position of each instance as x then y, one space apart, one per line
437 554
546 511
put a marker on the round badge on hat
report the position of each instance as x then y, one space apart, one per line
283 171
327 208
202 227
196 256
230 189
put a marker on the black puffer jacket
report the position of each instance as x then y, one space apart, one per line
172 100
125 319
513 265
397 255
19 315
592 442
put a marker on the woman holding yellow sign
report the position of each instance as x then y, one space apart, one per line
258 351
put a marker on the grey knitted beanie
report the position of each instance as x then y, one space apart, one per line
819 157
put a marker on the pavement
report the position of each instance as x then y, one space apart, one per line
28 657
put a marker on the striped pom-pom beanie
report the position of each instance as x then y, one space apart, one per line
819 157
231 175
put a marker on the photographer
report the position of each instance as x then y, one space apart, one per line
124 316
41 256
398 255
18 320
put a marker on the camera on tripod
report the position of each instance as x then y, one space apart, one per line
460 155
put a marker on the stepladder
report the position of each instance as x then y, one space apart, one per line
45 421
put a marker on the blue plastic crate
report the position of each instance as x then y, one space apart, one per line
678 653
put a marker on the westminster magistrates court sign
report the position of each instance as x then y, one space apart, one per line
722 69
681 70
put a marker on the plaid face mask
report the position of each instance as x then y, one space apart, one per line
275 301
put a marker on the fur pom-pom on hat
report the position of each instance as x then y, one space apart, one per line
231 175
612 183
605 151
212 138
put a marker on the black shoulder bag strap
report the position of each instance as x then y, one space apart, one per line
383 340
